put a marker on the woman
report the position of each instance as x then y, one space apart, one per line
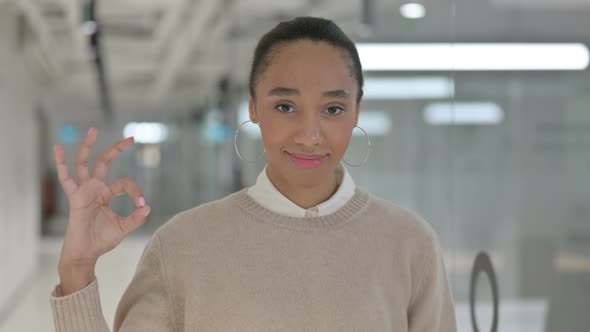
303 249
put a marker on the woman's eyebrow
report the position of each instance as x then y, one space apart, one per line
337 94
283 92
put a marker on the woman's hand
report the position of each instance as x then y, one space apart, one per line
93 228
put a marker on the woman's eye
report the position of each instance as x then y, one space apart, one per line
284 108
334 110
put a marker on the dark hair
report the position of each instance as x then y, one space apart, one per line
311 28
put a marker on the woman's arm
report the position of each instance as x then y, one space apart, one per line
145 305
93 230
78 311
431 307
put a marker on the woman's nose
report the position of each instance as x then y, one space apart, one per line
308 132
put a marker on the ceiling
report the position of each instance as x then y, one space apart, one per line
172 53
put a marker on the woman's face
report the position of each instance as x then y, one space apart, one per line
306 107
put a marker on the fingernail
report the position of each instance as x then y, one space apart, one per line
90 131
141 201
147 211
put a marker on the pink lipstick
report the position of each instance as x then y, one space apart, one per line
307 161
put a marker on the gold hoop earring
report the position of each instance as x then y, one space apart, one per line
236 145
366 155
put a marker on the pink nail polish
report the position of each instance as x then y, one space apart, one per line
141 201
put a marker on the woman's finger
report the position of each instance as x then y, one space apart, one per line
63 174
126 186
104 162
84 154
135 220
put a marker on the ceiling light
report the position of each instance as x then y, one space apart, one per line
412 10
146 132
89 27
474 57
480 113
375 123
409 88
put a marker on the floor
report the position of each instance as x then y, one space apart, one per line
114 269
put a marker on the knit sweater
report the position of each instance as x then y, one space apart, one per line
233 265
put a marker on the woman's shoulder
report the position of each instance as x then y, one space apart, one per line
401 220
404 229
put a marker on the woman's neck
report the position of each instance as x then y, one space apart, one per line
304 196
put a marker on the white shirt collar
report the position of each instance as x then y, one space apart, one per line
267 195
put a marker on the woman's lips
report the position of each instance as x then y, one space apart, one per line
307 161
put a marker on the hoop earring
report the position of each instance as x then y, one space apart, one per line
366 155
236 145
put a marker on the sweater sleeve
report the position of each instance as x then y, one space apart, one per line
144 306
431 307
79 311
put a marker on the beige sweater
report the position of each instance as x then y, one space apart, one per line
232 265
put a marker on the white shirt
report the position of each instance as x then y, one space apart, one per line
267 195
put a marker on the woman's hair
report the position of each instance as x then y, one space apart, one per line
304 28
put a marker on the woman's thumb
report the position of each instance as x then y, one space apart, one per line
135 220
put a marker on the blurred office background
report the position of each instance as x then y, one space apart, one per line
478 111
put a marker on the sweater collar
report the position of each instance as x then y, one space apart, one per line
354 206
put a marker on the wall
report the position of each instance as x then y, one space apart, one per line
19 167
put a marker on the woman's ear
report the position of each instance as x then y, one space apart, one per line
252 110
